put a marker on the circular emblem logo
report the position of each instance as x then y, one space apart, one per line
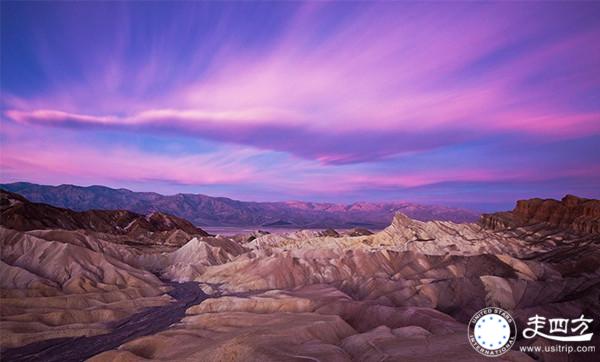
492 331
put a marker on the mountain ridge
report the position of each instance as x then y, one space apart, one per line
18 213
204 210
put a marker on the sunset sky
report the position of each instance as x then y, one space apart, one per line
461 104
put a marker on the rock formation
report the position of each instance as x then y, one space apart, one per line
18 213
572 213
404 293
53 289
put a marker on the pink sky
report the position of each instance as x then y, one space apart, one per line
324 101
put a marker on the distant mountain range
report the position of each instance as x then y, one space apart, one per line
18 213
205 210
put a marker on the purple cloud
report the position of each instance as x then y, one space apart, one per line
356 92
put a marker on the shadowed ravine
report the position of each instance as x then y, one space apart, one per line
147 322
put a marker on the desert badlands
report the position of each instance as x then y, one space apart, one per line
121 286
306 180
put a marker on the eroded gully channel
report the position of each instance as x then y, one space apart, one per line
149 321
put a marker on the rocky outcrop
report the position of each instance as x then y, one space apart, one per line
18 213
497 221
572 213
358 232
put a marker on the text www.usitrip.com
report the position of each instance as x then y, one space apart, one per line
558 348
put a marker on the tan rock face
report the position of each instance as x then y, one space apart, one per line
53 289
572 213
310 323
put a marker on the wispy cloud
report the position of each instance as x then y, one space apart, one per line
354 91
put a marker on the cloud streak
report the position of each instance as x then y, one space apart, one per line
359 92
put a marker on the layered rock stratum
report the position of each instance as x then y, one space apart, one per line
405 293
572 213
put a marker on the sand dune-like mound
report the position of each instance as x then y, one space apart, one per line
54 289
74 268
458 285
311 323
